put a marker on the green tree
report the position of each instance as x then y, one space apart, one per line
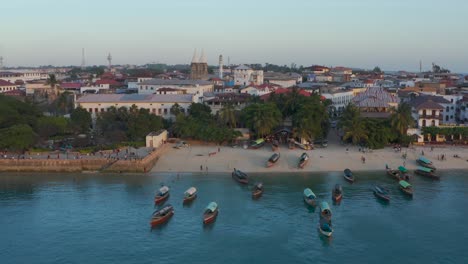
53 82
80 120
353 125
17 137
401 119
262 118
49 126
228 116
200 111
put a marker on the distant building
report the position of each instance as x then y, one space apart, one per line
340 99
218 101
157 104
6 86
259 90
375 102
156 139
199 67
244 75
197 87
285 80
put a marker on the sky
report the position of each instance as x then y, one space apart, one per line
392 34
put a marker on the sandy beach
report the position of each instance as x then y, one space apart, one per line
333 158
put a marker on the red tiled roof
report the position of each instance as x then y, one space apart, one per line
15 93
108 81
5 83
70 85
284 91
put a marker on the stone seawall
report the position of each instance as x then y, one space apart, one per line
98 164
52 165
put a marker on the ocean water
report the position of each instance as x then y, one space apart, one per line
95 218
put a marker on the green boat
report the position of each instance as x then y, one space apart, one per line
257 143
427 172
404 173
310 197
423 161
325 211
406 188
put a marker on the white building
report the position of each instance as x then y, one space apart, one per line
28 75
340 99
244 75
197 87
259 90
158 104
6 86
284 80
156 139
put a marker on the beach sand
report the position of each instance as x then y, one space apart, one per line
333 158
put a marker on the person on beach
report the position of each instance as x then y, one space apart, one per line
206 168
201 167
422 152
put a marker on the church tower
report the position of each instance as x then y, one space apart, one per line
198 67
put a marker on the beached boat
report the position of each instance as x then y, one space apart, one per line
423 161
240 177
210 214
309 197
302 146
325 211
348 175
426 172
273 159
274 145
257 143
303 160
190 194
325 228
257 190
337 193
161 216
162 195
381 193
404 173
406 188
395 174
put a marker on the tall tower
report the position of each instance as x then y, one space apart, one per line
1 62
109 59
420 66
221 66
83 62
199 67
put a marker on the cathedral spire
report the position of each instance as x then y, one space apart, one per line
194 58
203 57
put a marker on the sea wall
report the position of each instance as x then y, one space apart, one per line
52 165
79 165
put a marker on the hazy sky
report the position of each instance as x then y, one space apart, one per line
394 34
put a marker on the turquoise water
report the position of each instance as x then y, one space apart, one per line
52 218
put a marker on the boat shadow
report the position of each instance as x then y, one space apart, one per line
209 227
310 208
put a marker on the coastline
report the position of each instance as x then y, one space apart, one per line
334 158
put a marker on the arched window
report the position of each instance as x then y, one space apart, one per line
424 122
433 123
448 109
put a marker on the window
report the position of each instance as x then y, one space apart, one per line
159 111
90 110
447 109
446 118
423 123
102 110
96 110
165 111
433 123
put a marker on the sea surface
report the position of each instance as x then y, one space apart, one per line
96 218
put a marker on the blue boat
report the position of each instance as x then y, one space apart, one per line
325 211
425 163
310 197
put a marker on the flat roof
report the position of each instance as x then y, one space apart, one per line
135 98
174 82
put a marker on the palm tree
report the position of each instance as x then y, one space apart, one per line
356 131
228 115
401 119
52 82
262 118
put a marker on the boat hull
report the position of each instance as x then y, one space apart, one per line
325 233
270 164
302 164
311 202
430 166
427 175
189 199
348 179
257 194
382 197
161 220
337 197
161 199
394 174
240 180
210 217
408 192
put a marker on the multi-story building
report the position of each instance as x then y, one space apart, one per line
158 104
340 99
259 90
244 75
6 86
197 87
376 102
285 80
218 101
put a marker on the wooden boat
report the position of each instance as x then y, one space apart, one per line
190 194
302 146
426 172
210 214
337 193
303 160
240 177
257 191
406 188
162 195
325 211
257 143
309 197
348 175
404 173
161 216
423 161
381 193
394 174
325 228
274 145
273 159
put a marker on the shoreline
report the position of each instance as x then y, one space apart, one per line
335 158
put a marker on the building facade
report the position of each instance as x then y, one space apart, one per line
244 75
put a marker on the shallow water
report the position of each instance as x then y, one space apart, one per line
94 218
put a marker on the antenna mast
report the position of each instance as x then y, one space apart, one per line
109 58
83 62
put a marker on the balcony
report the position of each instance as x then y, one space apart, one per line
440 117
